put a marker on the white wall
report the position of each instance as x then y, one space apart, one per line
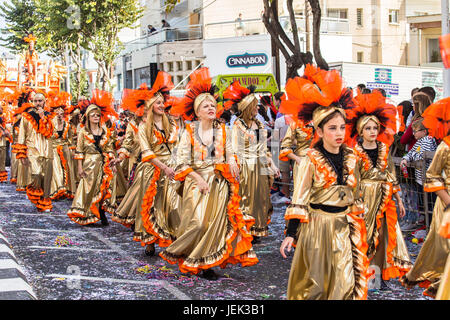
413 7
216 51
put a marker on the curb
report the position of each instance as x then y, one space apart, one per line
13 283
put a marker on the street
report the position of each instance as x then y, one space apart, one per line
65 261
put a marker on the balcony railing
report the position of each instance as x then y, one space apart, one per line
247 27
191 32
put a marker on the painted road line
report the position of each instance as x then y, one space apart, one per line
112 280
69 248
37 214
172 289
13 283
54 230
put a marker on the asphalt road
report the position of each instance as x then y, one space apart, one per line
65 261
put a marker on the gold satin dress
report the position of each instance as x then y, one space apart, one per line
330 261
14 163
444 287
297 140
94 188
118 186
256 176
63 184
387 248
430 263
3 139
151 203
213 231
23 172
72 148
34 144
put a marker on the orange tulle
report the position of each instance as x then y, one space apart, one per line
200 82
437 118
372 104
234 94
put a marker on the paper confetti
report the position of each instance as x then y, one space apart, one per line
63 241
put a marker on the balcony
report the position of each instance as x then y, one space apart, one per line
191 32
229 29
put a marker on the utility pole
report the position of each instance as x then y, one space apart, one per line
307 27
275 51
445 30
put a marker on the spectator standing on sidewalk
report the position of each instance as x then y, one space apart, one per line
425 142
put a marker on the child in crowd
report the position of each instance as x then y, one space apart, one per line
425 142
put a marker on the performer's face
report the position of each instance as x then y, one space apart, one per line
59 112
333 132
206 110
39 101
370 131
94 117
158 106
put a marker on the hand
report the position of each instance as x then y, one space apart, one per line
286 244
402 210
203 186
170 173
81 173
234 170
403 162
298 160
24 161
276 171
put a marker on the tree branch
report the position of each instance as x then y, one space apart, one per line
293 24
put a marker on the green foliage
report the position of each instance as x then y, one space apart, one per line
79 87
170 4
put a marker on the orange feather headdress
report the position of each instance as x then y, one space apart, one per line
238 97
437 118
200 87
104 101
316 95
372 106
59 100
135 100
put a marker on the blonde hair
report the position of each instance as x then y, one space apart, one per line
418 124
423 102
150 125
87 122
202 97
247 114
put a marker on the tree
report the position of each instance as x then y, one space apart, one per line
20 22
89 24
291 51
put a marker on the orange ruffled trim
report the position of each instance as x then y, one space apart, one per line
148 158
433 189
181 176
104 187
62 192
3 176
322 169
283 155
147 204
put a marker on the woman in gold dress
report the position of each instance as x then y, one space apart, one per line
213 231
330 261
257 170
429 266
4 136
371 128
150 204
94 153
63 184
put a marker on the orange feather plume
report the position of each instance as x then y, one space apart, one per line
59 100
200 82
372 104
437 118
104 100
235 93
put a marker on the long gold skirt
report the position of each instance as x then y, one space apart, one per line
23 176
63 184
213 231
430 263
117 188
151 204
13 173
254 189
91 191
387 248
329 262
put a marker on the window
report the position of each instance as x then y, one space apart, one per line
434 54
189 65
197 63
179 80
359 17
393 16
141 75
360 56
179 66
169 66
337 13
119 82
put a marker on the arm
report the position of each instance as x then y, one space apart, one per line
434 181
